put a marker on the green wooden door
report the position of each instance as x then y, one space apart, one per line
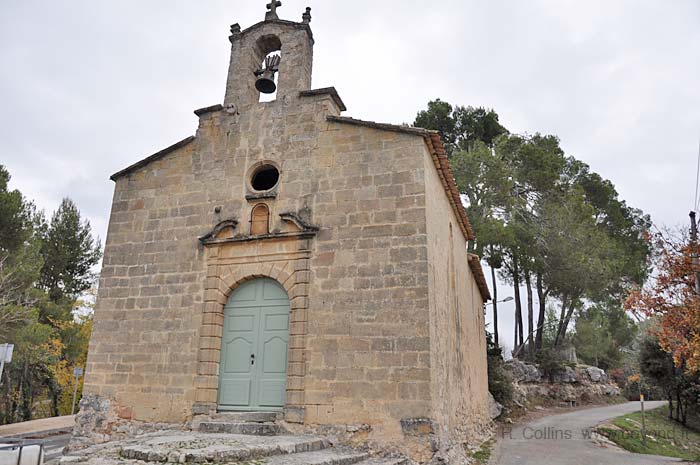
253 368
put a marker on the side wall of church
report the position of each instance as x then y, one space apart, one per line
458 344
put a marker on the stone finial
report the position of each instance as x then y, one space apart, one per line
235 32
272 10
306 17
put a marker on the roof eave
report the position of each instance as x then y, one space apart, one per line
151 158
478 272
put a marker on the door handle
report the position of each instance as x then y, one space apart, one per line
252 359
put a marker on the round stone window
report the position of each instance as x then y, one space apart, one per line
264 178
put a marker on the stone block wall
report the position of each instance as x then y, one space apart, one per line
146 318
458 342
364 276
368 340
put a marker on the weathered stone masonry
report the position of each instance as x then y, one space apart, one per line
364 230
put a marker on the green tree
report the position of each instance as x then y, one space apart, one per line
460 127
44 268
536 163
438 117
15 216
602 334
485 180
20 260
627 227
70 253
544 220
474 125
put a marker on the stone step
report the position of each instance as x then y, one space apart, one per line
387 461
237 427
247 417
322 457
180 447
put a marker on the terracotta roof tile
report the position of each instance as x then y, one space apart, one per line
478 271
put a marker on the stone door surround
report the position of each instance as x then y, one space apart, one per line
230 263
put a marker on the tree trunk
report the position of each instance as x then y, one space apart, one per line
518 305
542 297
7 388
495 306
530 318
684 411
567 319
25 393
54 392
670 405
562 315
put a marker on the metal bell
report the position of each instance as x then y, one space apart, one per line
266 81
266 77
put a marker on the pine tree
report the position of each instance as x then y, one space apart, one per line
70 253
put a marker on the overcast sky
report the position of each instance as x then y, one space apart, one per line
89 87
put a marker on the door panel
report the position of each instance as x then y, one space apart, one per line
237 356
277 322
254 345
274 360
272 393
235 393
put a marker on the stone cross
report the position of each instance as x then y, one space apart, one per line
272 7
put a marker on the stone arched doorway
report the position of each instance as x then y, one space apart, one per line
254 347
232 260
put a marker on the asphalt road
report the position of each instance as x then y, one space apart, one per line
53 448
563 440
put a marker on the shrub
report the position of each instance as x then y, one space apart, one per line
550 363
500 381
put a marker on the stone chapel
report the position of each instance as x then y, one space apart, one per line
289 259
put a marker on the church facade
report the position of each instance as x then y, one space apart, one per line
287 258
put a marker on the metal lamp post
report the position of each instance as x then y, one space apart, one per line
77 372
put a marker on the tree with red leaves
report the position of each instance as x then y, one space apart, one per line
670 355
672 299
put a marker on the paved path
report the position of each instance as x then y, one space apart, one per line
560 440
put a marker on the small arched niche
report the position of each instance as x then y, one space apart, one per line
260 220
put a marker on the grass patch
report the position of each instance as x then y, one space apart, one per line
663 436
482 455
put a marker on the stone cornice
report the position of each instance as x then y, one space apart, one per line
325 91
210 109
282 22
306 230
